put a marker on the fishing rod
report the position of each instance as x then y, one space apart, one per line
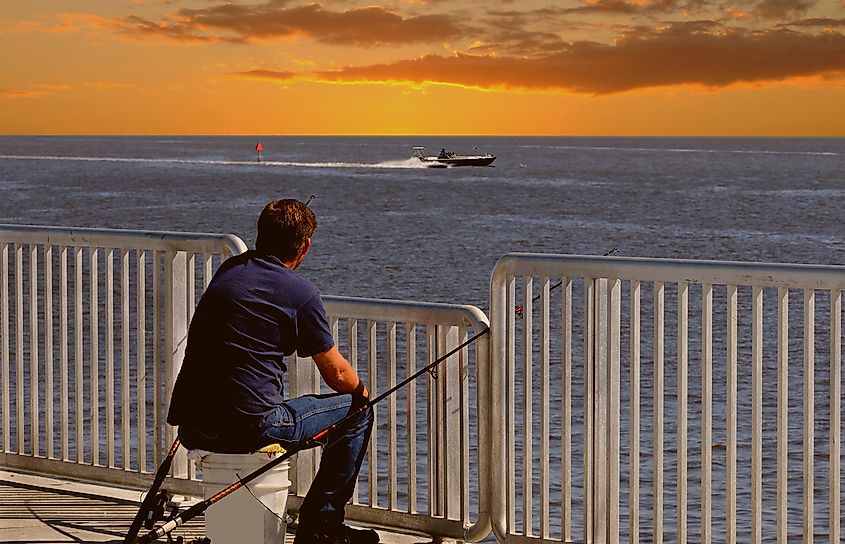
521 309
314 441
155 502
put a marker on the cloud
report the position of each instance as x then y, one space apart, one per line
14 93
735 13
35 90
108 85
604 7
267 74
52 86
696 53
515 41
365 26
171 30
67 22
624 7
817 22
780 9
38 90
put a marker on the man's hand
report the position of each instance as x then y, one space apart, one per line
361 391
359 397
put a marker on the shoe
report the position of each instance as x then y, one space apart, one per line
359 536
338 534
305 536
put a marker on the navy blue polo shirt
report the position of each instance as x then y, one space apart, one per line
254 313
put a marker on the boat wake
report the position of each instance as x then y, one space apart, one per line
411 162
406 163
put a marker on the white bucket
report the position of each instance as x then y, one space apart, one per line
240 518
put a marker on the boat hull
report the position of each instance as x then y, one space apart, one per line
437 162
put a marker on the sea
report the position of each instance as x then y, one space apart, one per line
390 228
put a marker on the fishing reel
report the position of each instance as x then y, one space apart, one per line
161 505
163 509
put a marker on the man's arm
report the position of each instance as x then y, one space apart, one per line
338 373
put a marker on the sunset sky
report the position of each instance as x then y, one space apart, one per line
520 67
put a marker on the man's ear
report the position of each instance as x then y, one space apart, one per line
301 256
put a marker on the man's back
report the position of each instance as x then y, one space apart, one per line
254 313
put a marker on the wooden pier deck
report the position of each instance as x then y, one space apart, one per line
39 510
42 510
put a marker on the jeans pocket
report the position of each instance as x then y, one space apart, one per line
281 427
283 417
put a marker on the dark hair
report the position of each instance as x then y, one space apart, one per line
283 228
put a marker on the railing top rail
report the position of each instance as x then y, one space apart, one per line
404 311
137 239
802 276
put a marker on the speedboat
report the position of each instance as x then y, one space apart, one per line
446 159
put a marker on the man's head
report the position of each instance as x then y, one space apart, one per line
285 228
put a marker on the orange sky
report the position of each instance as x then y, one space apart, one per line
521 67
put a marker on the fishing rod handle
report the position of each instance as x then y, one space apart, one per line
187 515
144 509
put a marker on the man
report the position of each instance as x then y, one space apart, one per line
228 396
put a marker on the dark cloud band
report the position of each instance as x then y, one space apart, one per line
675 56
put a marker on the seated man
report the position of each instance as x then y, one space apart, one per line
229 394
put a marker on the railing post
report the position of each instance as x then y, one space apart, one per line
589 406
605 386
601 400
176 338
5 406
450 447
499 319
614 293
303 379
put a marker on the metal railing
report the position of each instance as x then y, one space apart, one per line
521 432
735 453
93 324
419 474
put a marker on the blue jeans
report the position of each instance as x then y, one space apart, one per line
297 420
